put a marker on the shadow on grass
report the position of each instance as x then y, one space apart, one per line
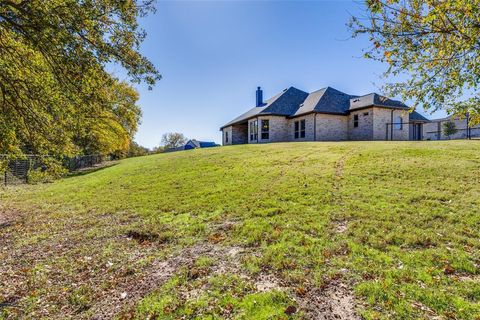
85 171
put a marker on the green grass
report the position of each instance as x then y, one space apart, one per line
221 296
411 248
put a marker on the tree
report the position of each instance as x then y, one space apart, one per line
173 140
53 80
112 129
433 48
449 129
137 150
158 149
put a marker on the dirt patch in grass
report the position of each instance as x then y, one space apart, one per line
340 226
56 268
8 217
334 301
122 298
127 293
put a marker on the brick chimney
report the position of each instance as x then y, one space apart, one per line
259 97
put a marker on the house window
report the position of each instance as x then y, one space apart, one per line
226 137
355 121
399 123
300 129
254 130
265 129
365 114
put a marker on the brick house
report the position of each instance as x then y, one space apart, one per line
324 115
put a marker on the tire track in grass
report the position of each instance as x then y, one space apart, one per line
340 224
335 299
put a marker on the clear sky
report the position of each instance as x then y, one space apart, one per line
213 55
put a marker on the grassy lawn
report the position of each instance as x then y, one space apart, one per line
390 230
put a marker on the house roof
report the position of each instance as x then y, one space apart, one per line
374 99
200 144
205 144
293 102
415 116
326 100
285 103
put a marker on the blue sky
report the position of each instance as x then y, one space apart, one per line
213 55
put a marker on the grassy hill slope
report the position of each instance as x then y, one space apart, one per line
382 230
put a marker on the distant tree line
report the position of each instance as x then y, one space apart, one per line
170 140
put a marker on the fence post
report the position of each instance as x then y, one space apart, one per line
27 169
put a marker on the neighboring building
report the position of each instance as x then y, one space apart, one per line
434 129
194 144
324 115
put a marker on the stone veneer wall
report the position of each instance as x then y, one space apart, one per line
364 131
224 133
237 134
278 131
331 127
382 116
309 128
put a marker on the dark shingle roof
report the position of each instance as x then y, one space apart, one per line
285 103
293 102
199 144
374 99
207 144
326 100
415 116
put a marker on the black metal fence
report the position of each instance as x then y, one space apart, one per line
15 171
471 133
80 162
404 131
419 131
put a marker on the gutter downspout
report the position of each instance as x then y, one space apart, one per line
391 124
257 130
469 131
315 127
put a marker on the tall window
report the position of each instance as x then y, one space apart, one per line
399 123
265 129
254 130
300 129
226 137
355 121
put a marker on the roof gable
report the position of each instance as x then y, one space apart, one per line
374 99
287 103
326 100
284 103
415 116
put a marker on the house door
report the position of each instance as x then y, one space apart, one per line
417 132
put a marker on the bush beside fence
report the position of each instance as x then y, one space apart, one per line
19 170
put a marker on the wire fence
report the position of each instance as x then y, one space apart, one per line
16 171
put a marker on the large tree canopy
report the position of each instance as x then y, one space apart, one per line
55 95
434 48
